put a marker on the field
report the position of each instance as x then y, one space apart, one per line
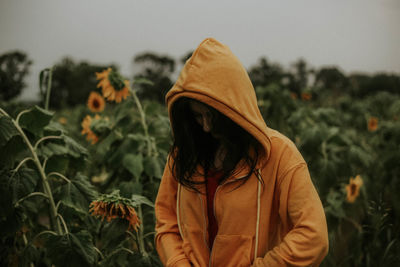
78 185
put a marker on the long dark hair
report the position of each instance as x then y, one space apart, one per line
192 146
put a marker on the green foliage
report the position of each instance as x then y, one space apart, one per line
158 70
72 82
334 139
49 173
71 249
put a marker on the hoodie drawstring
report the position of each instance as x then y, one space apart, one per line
258 212
178 196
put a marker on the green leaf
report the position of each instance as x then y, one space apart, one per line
76 194
57 164
7 130
105 144
335 204
35 120
127 189
23 182
138 200
123 110
152 167
13 151
74 149
65 146
134 164
71 249
100 126
54 128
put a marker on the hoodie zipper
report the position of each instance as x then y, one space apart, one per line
205 221
215 195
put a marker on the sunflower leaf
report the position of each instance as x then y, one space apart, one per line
152 167
134 164
76 194
35 120
138 200
71 249
7 130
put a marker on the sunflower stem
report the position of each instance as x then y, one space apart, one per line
143 121
30 195
21 163
140 234
59 175
26 245
45 183
46 138
48 89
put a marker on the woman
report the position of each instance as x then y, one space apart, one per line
234 192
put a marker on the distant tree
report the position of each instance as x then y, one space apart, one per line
332 79
158 69
363 84
299 76
186 57
72 82
265 73
14 66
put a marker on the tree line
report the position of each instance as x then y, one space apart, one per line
74 80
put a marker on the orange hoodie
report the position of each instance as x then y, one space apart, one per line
278 223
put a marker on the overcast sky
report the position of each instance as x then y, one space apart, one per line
356 35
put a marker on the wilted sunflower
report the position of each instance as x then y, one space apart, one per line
113 206
113 86
353 188
87 121
373 124
96 102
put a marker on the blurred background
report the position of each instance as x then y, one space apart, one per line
326 74
357 36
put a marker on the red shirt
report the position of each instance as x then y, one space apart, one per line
212 184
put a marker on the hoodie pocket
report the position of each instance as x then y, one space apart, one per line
231 251
194 246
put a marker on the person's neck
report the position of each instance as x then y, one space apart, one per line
220 154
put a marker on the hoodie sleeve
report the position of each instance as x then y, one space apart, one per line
306 244
168 239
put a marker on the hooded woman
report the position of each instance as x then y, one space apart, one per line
234 192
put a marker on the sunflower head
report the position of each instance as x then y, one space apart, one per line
112 206
113 86
306 96
90 135
94 127
373 124
96 102
353 188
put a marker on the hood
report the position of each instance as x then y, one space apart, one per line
214 76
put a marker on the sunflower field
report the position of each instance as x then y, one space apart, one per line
78 185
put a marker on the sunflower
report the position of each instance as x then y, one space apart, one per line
373 124
96 102
353 188
87 121
306 96
293 95
62 120
113 86
113 206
